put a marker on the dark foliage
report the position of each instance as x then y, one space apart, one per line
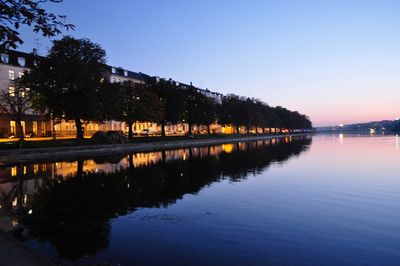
172 98
137 103
69 82
199 109
241 111
14 13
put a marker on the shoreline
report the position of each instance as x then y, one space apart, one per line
9 157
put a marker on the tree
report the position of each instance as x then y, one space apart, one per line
291 119
138 104
232 111
15 102
109 101
261 114
273 120
173 99
68 82
199 109
14 13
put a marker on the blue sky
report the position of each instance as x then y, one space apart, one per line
336 61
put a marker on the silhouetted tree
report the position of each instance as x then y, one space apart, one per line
14 13
138 104
68 81
173 99
199 109
233 111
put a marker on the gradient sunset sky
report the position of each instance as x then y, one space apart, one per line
336 61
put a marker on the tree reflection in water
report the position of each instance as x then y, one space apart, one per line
72 212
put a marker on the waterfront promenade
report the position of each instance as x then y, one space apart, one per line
8 157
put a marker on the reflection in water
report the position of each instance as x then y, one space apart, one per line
69 204
341 138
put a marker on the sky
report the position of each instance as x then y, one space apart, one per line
336 61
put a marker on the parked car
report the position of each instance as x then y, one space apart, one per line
148 132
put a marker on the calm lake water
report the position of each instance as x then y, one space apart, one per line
321 200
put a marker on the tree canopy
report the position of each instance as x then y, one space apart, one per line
250 112
137 103
172 97
14 13
71 84
69 81
199 109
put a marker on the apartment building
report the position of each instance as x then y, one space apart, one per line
13 64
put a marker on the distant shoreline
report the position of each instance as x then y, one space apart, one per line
9 157
356 132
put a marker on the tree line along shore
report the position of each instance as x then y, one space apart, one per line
69 85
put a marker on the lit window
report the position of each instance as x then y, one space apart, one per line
21 61
11 91
11 74
20 74
23 127
12 127
113 70
4 58
35 168
125 73
35 127
43 128
14 171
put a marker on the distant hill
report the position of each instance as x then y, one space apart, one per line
377 126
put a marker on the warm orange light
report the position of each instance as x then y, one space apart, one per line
228 148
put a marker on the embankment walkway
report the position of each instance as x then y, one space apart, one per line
8 157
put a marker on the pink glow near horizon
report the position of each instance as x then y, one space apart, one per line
330 114
329 119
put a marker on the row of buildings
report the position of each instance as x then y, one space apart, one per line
13 64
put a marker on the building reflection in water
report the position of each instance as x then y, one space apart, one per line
69 203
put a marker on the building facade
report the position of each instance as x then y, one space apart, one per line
13 64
